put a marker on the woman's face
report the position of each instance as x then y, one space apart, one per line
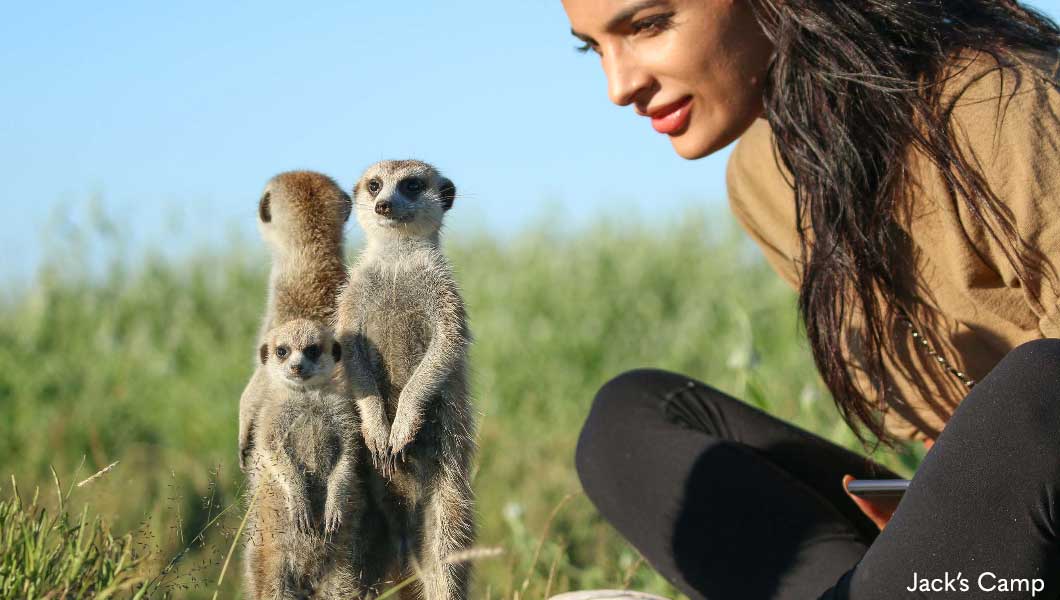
695 67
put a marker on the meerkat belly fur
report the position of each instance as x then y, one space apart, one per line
301 216
303 529
402 322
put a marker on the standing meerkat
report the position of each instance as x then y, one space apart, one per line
403 324
304 531
301 216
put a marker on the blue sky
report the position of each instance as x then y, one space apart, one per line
179 112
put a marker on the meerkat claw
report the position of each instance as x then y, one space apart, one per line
301 519
332 520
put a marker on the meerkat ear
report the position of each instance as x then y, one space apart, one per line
336 351
347 206
448 193
263 353
264 208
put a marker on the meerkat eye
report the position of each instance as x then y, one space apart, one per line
374 185
312 352
412 186
281 351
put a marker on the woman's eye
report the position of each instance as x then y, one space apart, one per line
653 24
584 48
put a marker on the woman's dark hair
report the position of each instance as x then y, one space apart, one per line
852 88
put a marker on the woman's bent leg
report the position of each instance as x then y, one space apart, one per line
980 519
723 499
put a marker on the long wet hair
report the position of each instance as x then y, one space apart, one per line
853 86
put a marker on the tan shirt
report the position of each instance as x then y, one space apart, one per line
978 307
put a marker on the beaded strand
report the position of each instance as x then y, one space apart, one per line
967 381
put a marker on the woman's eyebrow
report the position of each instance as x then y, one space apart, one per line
621 17
627 13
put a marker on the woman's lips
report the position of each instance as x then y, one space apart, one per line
672 118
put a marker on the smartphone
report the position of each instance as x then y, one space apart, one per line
878 488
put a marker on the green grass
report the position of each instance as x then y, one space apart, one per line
46 554
144 362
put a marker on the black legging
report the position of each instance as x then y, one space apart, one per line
728 502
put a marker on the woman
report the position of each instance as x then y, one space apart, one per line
898 163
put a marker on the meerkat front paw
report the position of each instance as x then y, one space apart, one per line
376 432
246 444
244 454
332 516
402 432
298 510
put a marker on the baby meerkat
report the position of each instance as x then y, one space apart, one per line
303 531
403 324
301 216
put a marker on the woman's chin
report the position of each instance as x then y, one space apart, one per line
700 139
691 148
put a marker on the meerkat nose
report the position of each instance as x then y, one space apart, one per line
382 207
296 369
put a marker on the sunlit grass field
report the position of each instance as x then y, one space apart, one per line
143 361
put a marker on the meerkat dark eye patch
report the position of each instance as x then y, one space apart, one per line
448 192
336 351
263 353
265 208
281 352
374 185
312 352
412 186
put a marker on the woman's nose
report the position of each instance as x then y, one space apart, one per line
625 78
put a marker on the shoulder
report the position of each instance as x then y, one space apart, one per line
1005 113
976 80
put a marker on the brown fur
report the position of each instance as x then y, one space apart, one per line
309 212
301 216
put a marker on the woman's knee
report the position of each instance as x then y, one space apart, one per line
622 412
1040 353
1021 395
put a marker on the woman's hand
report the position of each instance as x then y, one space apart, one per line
878 509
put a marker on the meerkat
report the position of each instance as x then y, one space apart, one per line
303 530
402 321
301 216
